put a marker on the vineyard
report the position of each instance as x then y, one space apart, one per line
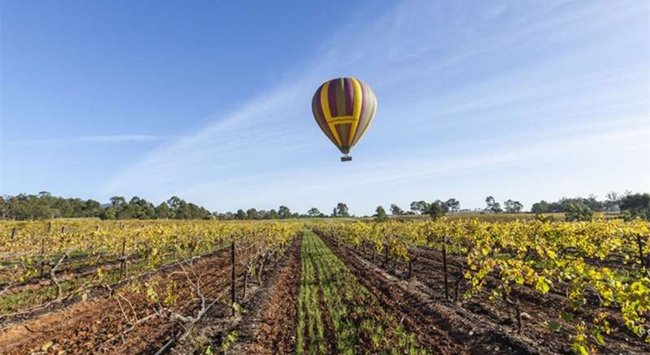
445 286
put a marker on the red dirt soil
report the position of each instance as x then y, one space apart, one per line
435 323
100 326
539 308
270 328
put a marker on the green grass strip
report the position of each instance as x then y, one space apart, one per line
358 321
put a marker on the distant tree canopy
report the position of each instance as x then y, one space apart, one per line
284 212
45 206
341 210
513 206
636 205
380 214
492 205
563 204
395 210
315 212
612 203
419 207
578 211
437 209
453 205
434 209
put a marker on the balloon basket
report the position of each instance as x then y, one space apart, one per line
346 158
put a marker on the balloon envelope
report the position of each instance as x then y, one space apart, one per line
343 109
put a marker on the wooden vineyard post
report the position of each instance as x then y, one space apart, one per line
444 265
122 259
233 275
14 231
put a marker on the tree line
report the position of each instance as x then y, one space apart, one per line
630 205
45 206
575 209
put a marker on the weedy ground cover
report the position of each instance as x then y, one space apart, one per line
337 314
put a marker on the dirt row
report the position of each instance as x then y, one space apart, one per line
270 327
434 318
256 327
538 309
94 291
131 322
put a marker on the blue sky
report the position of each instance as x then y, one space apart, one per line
210 101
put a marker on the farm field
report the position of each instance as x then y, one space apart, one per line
446 287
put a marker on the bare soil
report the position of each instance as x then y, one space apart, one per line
126 324
439 324
270 328
539 308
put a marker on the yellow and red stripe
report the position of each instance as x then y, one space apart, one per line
344 109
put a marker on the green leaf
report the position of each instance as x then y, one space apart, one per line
580 349
542 285
599 338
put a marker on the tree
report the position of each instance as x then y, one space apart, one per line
419 207
578 211
137 208
540 207
91 208
342 210
284 212
251 213
492 205
513 206
453 205
636 205
395 210
437 209
262 214
163 211
380 214
227 216
118 201
4 208
108 213
45 206
613 201
241 215
314 212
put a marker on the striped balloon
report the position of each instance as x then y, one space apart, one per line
343 109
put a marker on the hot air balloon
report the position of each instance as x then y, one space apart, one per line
343 109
